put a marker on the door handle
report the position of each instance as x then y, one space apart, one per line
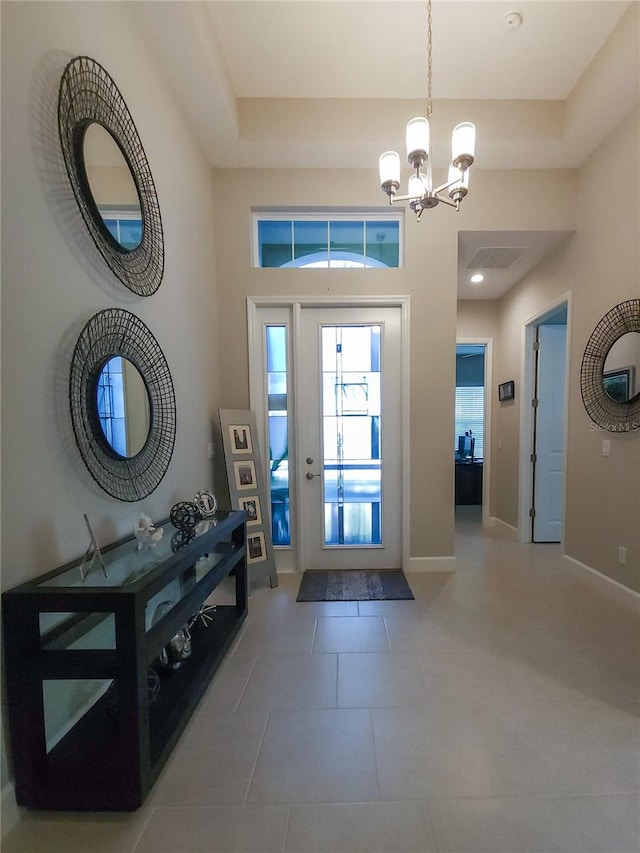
310 476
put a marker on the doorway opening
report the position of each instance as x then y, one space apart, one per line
472 429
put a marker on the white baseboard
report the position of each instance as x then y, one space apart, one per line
431 564
512 531
608 585
10 810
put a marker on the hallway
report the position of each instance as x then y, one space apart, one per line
496 712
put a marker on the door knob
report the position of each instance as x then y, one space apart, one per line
310 476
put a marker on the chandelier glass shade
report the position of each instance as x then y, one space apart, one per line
421 194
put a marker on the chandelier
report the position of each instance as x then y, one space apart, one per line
421 194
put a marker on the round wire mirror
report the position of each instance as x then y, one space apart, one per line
87 97
611 391
112 333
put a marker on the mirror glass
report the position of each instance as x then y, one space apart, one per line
122 401
112 186
622 368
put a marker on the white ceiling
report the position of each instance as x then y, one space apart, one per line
328 49
282 83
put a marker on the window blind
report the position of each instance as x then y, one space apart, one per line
470 416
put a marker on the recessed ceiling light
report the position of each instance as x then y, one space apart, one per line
477 278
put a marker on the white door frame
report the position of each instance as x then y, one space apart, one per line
527 383
488 384
256 380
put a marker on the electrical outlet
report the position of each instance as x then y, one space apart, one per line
210 450
606 447
499 444
622 555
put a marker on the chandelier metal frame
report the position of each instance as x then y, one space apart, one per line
421 195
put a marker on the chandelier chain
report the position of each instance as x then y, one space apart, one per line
430 73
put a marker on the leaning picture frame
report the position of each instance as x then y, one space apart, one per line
247 482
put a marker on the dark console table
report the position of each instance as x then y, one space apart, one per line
468 483
93 713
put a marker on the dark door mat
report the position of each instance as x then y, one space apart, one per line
354 585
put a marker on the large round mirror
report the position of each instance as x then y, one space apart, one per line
622 367
112 187
127 459
610 369
122 402
91 107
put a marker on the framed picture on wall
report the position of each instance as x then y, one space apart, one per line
507 391
240 436
251 505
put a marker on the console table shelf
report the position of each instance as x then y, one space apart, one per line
90 730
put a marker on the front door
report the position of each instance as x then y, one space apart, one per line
349 418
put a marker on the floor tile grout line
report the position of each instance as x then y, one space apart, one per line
152 811
591 735
375 754
313 636
386 631
285 838
246 682
257 758
437 848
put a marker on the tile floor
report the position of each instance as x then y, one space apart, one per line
498 712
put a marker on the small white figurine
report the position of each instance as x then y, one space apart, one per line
146 533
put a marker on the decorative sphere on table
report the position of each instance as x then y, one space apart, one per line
181 538
185 515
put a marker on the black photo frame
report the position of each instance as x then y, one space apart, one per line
506 391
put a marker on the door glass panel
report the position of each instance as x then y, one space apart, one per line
276 339
351 421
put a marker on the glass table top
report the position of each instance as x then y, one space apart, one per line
125 564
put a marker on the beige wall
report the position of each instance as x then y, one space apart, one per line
500 200
477 318
53 281
599 265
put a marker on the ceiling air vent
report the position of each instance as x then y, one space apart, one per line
496 257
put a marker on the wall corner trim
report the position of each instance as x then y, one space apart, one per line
610 587
431 564
508 529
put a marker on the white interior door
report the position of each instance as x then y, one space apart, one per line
348 413
548 481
